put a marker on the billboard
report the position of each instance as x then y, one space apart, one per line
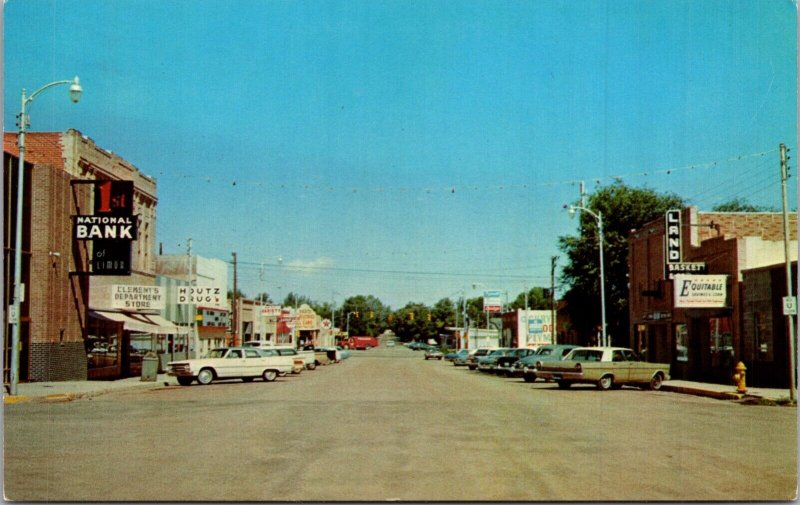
535 327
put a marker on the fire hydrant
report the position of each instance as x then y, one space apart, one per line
740 378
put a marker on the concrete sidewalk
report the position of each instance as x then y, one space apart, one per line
70 390
724 391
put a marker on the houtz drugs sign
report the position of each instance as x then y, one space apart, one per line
196 295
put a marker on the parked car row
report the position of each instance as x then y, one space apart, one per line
605 367
251 361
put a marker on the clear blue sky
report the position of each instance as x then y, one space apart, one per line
410 148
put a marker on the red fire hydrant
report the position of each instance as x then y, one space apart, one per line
740 378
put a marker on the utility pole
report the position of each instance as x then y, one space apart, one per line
553 261
193 307
583 194
235 307
789 317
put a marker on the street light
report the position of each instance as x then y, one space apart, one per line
475 286
599 217
75 91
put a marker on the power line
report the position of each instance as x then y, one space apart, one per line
305 268
455 187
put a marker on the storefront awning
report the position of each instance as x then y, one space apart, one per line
142 323
167 327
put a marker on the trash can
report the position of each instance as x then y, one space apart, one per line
149 367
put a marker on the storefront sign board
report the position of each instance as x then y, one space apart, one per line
700 291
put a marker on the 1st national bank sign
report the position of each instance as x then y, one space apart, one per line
111 229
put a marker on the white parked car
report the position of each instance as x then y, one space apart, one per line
307 357
244 363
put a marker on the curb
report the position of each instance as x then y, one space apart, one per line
68 397
719 395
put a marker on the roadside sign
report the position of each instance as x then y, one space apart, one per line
491 301
789 306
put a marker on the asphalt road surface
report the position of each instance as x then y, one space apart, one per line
388 425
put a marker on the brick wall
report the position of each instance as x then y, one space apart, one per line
767 225
57 299
57 362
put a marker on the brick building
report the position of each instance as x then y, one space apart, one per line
57 321
702 340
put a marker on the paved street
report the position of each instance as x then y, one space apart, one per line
388 425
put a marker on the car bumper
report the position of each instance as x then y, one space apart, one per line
568 376
180 373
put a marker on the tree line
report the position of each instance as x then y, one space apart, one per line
623 208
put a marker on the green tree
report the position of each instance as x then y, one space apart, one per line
623 208
411 323
239 294
538 299
264 297
296 300
739 204
443 313
367 315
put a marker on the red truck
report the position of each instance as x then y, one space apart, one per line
361 343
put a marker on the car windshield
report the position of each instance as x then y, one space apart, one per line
216 353
585 355
544 351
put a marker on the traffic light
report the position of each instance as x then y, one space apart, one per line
429 317
410 316
371 314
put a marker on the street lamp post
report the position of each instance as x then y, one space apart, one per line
599 217
75 91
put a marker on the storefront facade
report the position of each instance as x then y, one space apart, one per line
686 287
765 326
60 267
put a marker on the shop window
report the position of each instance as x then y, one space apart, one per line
763 336
101 351
641 341
721 341
681 343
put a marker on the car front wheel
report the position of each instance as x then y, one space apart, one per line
563 384
529 377
269 375
185 381
205 376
